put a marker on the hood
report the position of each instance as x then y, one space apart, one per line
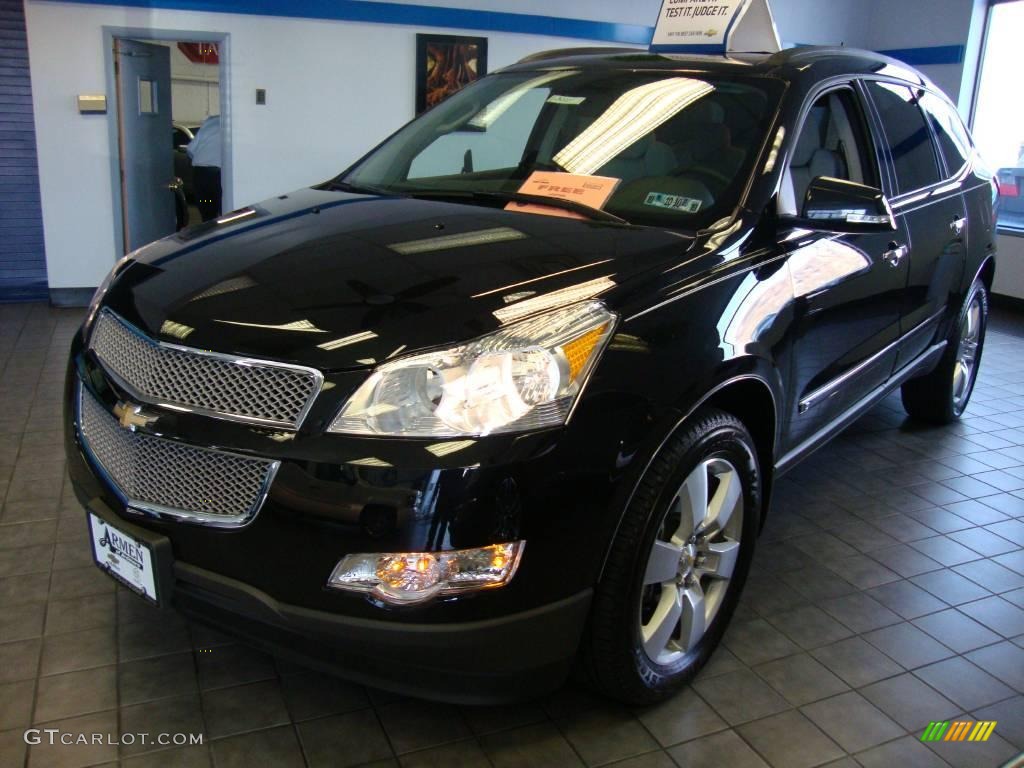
337 281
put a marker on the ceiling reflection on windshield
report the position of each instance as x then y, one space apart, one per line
632 116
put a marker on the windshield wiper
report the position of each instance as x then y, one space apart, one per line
519 197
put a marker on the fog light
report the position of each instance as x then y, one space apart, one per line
404 578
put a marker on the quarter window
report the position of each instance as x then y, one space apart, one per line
949 132
910 140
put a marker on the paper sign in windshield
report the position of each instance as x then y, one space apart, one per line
591 191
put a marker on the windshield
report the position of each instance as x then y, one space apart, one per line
679 146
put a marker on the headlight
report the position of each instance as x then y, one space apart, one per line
525 376
406 578
97 297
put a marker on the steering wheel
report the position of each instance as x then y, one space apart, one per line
535 166
715 181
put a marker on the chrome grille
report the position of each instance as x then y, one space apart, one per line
218 385
167 478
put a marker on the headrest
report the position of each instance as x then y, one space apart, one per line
705 111
825 162
812 138
637 149
714 136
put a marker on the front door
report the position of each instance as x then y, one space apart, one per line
143 76
848 288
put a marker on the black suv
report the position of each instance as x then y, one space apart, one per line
453 423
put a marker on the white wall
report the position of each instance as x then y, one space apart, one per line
195 89
929 23
1010 266
334 90
821 23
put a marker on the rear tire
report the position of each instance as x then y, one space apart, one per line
942 396
677 564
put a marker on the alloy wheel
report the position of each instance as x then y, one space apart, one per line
692 561
967 353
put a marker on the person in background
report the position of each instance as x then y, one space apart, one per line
204 150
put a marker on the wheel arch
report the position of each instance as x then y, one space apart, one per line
987 273
751 400
749 396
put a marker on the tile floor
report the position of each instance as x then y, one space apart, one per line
888 591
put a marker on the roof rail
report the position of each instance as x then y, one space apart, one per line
804 51
557 53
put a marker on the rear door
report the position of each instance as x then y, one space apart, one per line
143 74
848 288
928 200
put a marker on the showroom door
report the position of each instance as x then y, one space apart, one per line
145 135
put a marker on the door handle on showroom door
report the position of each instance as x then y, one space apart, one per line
895 254
958 224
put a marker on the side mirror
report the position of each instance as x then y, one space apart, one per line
835 205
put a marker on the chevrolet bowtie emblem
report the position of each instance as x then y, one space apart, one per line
130 416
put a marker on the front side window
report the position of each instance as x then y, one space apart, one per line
910 139
833 143
681 145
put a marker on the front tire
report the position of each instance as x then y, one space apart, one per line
677 564
942 396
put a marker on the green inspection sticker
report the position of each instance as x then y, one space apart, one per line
571 101
674 202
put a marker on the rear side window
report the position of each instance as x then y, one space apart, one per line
910 140
954 142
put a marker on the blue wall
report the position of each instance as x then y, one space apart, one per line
22 258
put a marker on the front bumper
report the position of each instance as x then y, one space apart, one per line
266 581
492 661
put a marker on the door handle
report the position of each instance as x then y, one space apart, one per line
958 224
895 254
175 185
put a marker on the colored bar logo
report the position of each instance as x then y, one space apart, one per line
959 730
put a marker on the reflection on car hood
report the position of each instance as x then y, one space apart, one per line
338 280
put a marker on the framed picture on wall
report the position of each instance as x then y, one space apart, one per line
445 64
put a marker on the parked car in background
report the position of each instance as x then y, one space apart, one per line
1011 192
509 397
183 135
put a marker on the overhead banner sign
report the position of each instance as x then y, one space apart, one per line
715 26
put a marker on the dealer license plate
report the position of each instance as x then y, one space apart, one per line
124 557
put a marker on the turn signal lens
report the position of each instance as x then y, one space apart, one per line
578 351
407 578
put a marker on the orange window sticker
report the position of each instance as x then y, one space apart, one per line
592 191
